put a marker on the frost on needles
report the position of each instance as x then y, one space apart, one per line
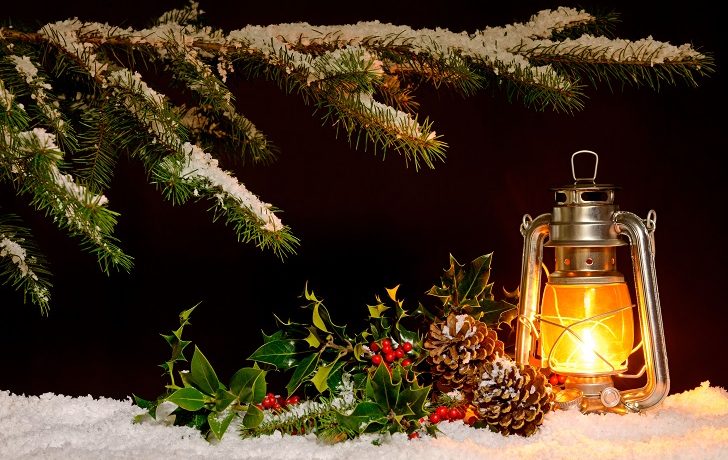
74 98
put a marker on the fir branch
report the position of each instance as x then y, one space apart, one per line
98 146
22 265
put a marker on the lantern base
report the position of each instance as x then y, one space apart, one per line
600 396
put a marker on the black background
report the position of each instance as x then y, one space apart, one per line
366 224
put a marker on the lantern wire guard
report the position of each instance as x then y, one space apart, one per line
583 326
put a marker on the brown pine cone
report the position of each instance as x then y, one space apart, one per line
512 399
457 348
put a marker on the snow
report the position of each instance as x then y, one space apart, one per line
10 248
690 425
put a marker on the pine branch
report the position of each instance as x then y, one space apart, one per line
21 264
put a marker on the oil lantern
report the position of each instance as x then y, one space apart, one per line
580 323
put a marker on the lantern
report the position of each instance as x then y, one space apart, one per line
581 323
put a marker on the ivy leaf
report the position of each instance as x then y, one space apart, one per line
279 353
202 375
253 417
365 414
223 399
249 385
305 368
321 377
190 399
219 422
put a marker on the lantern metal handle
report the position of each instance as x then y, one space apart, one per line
573 169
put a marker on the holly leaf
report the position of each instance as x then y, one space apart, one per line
223 399
362 417
392 292
277 335
464 286
375 311
202 375
189 398
491 311
253 417
249 385
304 369
413 399
143 403
321 377
312 338
278 353
381 389
336 374
219 422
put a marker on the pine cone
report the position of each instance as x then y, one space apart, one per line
512 399
457 348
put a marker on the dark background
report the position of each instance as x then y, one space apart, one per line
366 224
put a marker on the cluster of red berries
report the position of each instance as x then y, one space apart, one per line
277 403
557 379
390 354
465 413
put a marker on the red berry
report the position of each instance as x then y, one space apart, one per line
554 379
386 343
399 353
434 418
406 362
276 406
387 349
407 346
267 403
270 395
389 357
413 435
374 346
454 414
293 400
259 406
442 412
562 379
376 360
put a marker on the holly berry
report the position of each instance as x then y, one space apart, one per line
406 362
554 379
413 435
562 379
387 349
454 414
434 418
374 346
442 412
399 353
293 400
389 357
386 343
407 347
376 360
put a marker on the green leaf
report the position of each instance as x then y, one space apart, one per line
413 398
335 375
249 385
309 295
492 311
202 375
312 338
184 317
277 335
279 353
219 422
316 317
305 368
143 403
190 399
253 417
362 417
381 389
321 377
223 399
375 311
474 278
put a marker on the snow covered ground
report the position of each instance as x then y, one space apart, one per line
689 425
